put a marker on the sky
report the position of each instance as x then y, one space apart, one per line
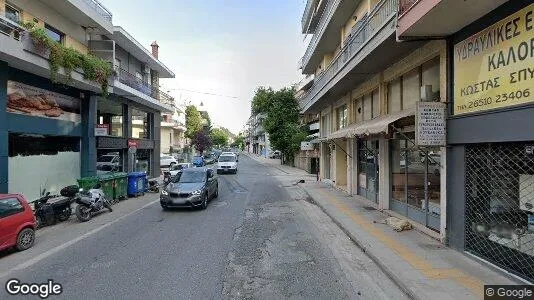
225 47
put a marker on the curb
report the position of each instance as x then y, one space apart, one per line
389 272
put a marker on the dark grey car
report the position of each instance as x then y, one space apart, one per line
193 187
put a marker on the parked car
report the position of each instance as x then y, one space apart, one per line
179 168
227 164
193 187
275 154
17 222
167 161
107 163
208 159
198 161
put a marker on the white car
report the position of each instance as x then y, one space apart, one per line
227 163
167 161
178 168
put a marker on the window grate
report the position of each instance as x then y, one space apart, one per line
499 197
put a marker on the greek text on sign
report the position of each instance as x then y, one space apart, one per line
495 67
430 124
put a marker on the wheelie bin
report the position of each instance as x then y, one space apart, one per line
137 183
87 183
121 185
108 185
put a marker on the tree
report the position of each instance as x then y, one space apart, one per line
282 123
201 141
239 142
219 137
193 121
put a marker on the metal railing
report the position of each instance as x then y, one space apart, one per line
100 9
136 83
165 98
405 5
368 27
326 15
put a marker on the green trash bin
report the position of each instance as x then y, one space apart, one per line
87 183
108 185
121 185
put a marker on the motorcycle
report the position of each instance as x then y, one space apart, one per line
90 202
47 214
153 186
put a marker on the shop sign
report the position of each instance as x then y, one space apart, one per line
102 129
430 124
133 143
31 101
495 67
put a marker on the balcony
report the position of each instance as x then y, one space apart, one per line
371 47
312 14
326 36
439 18
87 13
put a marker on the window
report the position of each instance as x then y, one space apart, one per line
12 13
118 64
140 124
342 116
430 76
10 206
110 113
54 34
411 88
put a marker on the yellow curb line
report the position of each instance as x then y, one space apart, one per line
425 267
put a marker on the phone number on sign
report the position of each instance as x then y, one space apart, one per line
505 97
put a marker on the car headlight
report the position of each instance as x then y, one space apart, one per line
197 192
164 192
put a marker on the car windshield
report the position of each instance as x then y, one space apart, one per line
227 158
178 167
107 158
190 177
197 158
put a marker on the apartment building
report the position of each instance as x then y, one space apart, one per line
365 86
173 132
490 162
56 125
257 140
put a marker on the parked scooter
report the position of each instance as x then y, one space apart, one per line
153 186
90 202
48 214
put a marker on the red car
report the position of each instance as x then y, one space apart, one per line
17 222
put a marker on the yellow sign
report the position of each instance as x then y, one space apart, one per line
495 67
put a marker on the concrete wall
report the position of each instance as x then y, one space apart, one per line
3 129
166 139
128 62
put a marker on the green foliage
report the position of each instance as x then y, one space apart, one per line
239 142
201 141
282 119
262 100
219 137
193 121
94 69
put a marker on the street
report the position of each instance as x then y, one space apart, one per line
260 239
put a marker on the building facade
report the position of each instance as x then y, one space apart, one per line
365 86
54 133
173 132
257 139
490 165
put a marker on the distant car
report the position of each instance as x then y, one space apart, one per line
227 164
275 154
17 222
198 161
179 168
167 161
208 159
193 187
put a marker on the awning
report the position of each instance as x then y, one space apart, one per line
375 126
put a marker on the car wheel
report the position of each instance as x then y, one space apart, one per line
165 207
204 204
216 191
25 239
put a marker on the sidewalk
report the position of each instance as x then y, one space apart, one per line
422 266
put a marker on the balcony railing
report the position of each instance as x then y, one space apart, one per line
405 5
100 9
324 20
136 83
368 27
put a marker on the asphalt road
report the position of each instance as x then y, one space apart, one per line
259 240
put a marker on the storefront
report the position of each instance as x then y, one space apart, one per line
368 169
42 134
490 167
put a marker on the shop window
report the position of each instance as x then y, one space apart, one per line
109 161
430 76
140 124
394 96
368 169
110 113
143 157
341 116
376 104
411 88
367 107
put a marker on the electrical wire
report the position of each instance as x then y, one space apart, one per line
204 93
